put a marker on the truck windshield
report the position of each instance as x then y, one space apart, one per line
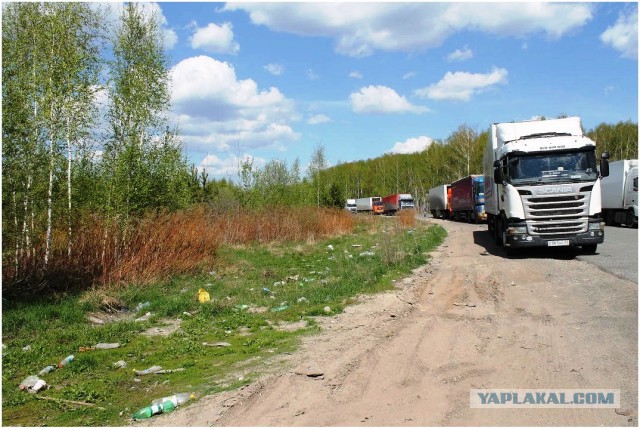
552 168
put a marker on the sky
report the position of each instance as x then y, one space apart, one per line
278 80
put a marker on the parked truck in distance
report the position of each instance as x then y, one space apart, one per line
542 187
393 203
372 204
467 199
350 205
620 193
438 201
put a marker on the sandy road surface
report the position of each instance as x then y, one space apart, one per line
468 319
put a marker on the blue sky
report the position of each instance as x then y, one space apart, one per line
275 80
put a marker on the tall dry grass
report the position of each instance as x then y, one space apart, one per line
160 245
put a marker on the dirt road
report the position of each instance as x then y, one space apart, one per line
468 319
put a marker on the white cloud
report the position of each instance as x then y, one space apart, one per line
460 86
623 35
381 99
355 75
215 39
275 69
318 119
359 29
217 110
229 166
460 54
412 145
409 75
170 38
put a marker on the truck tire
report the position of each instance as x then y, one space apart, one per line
632 220
590 248
497 232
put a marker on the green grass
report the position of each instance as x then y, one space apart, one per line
300 278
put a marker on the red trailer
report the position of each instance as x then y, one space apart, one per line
397 202
467 198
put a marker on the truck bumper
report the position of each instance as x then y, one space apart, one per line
595 235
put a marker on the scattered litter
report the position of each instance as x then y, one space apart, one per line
28 383
40 384
213 272
203 296
99 346
293 278
280 308
165 371
332 258
145 317
356 245
327 309
275 284
265 290
66 361
302 299
154 409
241 307
189 314
258 309
217 344
176 399
513 283
27 348
367 253
120 364
46 370
141 306
469 305
410 231
95 320
150 370
484 253
330 247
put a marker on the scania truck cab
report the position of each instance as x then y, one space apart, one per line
542 185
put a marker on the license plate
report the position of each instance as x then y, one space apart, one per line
562 243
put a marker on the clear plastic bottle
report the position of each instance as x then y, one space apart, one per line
176 399
46 370
65 361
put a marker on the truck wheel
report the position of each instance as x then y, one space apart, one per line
590 248
631 221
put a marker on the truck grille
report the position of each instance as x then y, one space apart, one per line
556 216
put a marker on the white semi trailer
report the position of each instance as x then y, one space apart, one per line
620 193
542 186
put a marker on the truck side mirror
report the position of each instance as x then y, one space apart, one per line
604 164
497 172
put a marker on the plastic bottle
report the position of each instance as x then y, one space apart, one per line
150 370
154 409
65 361
107 345
176 399
46 370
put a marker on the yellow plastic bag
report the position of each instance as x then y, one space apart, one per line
203 296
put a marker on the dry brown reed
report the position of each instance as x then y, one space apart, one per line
163 244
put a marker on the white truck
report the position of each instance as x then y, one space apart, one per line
351 205
542 187
372 204
438 201
620 193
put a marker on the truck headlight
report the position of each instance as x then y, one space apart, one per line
596 226
517 230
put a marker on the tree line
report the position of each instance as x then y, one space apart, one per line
86 143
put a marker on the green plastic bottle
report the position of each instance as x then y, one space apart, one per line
154 409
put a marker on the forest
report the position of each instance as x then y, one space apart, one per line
96 188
